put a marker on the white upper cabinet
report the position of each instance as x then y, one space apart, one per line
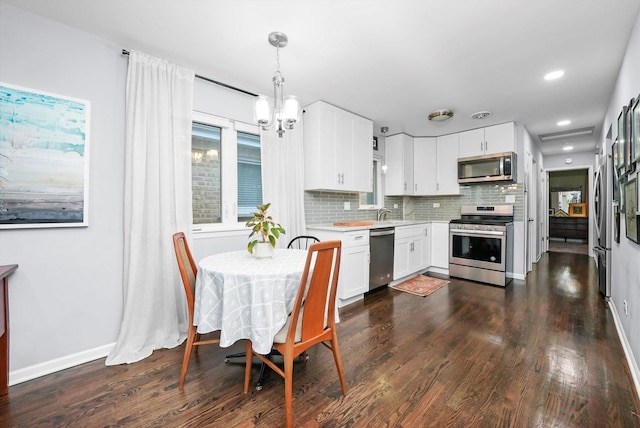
425 165
338 149
421 166
399 160
447 165
492 139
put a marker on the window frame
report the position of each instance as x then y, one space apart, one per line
228 171
379 203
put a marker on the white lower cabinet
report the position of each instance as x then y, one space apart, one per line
411 250
353 280
440 241
354 272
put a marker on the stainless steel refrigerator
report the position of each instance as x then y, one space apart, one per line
603 213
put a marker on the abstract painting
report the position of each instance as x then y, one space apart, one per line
44 159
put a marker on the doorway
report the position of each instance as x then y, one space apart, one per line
568 210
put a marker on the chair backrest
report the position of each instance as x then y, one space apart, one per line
317 292
188 269
302 242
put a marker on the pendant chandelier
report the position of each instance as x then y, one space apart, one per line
280 112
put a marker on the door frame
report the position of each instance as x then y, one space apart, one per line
590 172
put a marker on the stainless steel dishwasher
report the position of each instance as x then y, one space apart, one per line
381 243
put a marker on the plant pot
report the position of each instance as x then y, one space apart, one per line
263 250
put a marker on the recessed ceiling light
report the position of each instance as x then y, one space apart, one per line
554 75
567 148
441 115
564 122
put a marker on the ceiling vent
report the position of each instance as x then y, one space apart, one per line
480 114
566 135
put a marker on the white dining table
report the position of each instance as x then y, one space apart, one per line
247 297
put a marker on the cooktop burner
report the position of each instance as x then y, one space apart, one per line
496 221
491 216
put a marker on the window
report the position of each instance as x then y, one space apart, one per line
226 172
206 179
249 175
373 199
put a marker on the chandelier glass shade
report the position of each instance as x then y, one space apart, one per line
280 112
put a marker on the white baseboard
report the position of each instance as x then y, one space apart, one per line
48 367
441 271
633 365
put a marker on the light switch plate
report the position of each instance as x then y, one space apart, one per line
511 199
347 206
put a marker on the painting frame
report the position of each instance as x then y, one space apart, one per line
631 203
629 154
622 139
615 154
635 131
577 209
44 159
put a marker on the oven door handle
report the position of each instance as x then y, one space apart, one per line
477 232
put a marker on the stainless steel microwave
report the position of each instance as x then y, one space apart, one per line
487 168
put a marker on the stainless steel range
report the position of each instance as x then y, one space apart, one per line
481 244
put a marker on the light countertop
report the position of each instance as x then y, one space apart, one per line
375 225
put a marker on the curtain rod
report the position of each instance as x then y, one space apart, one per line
126 52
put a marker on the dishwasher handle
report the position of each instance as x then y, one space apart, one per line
382 232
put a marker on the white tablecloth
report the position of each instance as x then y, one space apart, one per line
245 297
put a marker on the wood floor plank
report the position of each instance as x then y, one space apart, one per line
542 352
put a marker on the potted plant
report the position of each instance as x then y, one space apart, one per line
265 230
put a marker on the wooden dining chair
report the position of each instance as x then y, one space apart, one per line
188 272
302 242
311 322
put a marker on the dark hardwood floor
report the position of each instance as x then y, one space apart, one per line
540 353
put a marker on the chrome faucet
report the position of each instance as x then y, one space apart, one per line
382 213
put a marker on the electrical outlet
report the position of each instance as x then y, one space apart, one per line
436 205
510 199
347 206
626 307
395 205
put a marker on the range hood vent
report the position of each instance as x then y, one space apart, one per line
566 135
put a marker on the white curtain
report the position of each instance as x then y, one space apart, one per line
283 180
157 204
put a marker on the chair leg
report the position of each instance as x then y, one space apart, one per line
336 356
248 364
261 377
288 388
197 339
187 355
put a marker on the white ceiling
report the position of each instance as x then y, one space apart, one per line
391 61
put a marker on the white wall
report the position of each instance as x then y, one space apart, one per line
66 296
578 160
65 299
625 256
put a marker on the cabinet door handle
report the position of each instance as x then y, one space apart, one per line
405 186
415 187
342 178
338 178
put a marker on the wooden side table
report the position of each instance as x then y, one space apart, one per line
5 271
